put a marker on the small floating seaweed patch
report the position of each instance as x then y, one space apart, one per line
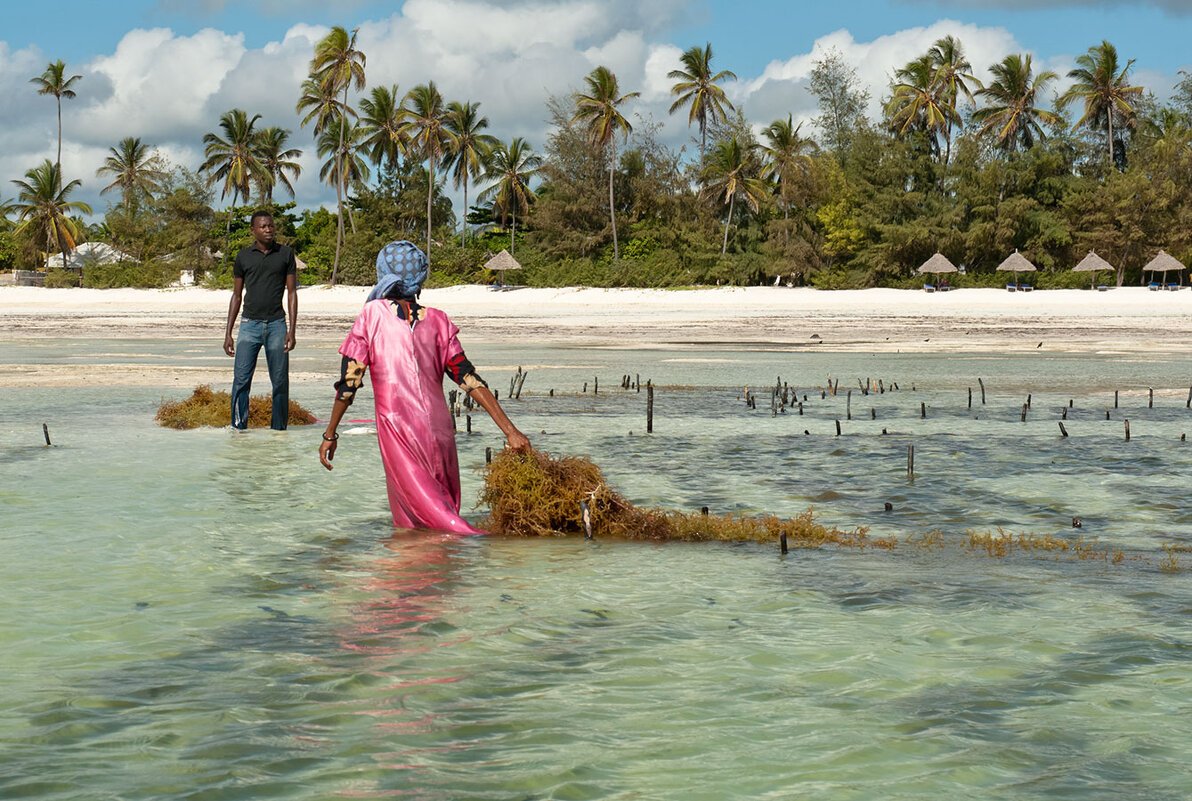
206 407
534 494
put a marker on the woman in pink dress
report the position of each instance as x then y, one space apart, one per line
410 348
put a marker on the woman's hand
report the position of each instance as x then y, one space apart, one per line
327 452
517 440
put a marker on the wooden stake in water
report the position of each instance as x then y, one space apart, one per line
970 397
923 409
910 461
585 514
45 430
838 428
649 407
1024 408
1063 431
1127 429
982 383
1115 398
469 417
782 547
848 405
1150 404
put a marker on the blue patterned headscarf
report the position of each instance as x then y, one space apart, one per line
402 265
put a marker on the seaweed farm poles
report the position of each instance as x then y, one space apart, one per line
45 430
649 407
910 461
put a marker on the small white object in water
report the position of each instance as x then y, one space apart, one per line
359 430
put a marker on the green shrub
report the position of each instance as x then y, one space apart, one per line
144 275
61 278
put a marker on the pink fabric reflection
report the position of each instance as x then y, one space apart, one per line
413 421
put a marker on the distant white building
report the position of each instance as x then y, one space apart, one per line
94 252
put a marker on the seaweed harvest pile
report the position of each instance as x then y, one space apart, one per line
208 408
533 494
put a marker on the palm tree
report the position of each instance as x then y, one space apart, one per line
785 155
918 102
426 127
511 167
382 120
728 175
469 150
7 207
1103 89
342 151
134 171
44 205
232 158
599 111
277 161
337 66
953 74
1012 116
697 88
54 82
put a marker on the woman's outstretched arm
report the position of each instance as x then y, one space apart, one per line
516 439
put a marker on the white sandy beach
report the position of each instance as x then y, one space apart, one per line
1128 319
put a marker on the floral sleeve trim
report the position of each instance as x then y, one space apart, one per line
461 371
351 378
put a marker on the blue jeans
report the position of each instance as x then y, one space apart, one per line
254 335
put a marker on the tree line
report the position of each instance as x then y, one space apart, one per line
971 169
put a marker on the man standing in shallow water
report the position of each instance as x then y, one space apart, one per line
260 274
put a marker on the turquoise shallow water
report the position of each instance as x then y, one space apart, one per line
206 615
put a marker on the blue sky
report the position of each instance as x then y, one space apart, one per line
1156 33
165 70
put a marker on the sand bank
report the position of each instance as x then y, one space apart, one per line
1130 319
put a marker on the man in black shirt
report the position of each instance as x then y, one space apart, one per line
260 274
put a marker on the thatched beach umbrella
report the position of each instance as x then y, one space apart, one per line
501 262
1165 263
937 264
1016 263
1093 263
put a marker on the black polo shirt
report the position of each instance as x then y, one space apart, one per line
264 277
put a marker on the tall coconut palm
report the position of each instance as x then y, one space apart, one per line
697 89
918 102
426 127
381 117
337 67
232 159
785 156
1104 89
343 153
134 169
1012 116
469 150
44 206
730 173
954 77
277 161
54 82
510 168
599 111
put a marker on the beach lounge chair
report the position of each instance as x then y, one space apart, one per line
1011 287
1025 288
1102 288
1153 286
928 288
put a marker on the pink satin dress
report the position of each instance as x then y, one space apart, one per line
413 422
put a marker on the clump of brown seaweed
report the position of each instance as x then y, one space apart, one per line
533 494
206 407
